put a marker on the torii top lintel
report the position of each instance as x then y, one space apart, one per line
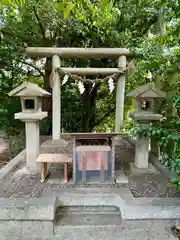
91 53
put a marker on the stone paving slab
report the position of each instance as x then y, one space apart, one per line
28 209
95 200
123 191
153 201
150 212
14 229
143 230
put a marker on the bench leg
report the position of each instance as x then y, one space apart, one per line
43 172
84 169
102 170
65 173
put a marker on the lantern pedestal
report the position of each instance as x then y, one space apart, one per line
32 121
31 102
144 101
142 152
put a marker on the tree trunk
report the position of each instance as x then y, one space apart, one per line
89 106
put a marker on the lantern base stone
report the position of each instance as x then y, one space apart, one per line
136 171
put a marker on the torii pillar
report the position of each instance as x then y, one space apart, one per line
119 117
56 99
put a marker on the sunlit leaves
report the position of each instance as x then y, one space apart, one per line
99 15
12 3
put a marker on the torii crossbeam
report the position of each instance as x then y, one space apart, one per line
86 53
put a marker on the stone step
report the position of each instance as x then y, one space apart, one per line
86 216
79 219
87 209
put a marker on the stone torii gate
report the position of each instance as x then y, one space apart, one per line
85 53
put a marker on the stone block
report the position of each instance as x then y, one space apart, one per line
121 177
28 209
150 170
10 228
12 164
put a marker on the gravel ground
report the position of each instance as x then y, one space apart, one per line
154 185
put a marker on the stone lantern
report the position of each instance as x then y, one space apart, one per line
31 102
144 100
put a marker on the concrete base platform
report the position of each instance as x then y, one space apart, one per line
56 177
89 214
117 197
150 170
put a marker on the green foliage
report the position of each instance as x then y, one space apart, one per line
83 23
167 135
176 182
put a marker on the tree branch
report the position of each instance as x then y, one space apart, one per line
39 22
105 115
31 65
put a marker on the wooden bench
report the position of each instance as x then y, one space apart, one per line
44 159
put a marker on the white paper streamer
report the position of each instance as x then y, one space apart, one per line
65 79
149 76
111 84
81 87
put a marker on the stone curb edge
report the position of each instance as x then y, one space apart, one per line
12 164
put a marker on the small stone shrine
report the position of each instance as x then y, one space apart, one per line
144 98
31 102
94 157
